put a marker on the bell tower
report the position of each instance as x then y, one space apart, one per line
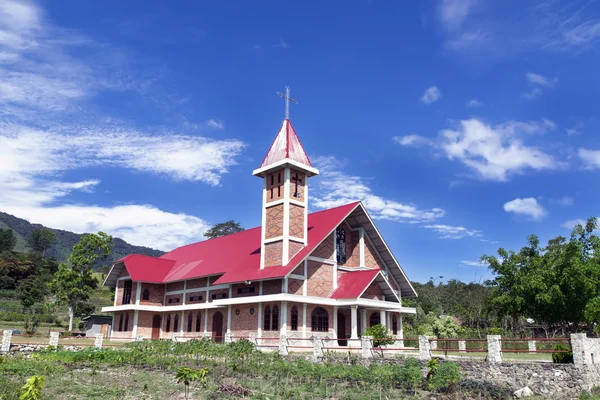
285 172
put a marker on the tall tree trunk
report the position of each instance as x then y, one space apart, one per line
71 315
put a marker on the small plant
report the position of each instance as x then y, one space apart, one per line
411 374
381 335
187 375
562 357
32 390
443 376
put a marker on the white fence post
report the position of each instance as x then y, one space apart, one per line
494 349
6 339
424 348
283 343
317 348
366 346
581 354
98 340
139 338
54 338
228 338
462 346
531 345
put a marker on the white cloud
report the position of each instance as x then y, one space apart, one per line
452 13
474 263
431 95
526 206
489 241
411 140
474 103
453 232
590 158
566 201
541 80
570 224
532 94
284 44
337 188
213 123
496 152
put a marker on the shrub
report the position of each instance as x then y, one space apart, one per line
381 335
32 390
443 376
411 374
562 357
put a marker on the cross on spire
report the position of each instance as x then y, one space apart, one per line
287 99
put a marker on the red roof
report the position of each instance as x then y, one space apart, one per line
286 146
353 283
236 257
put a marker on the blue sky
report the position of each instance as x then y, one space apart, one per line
463 125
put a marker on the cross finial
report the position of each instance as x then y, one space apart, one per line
287 98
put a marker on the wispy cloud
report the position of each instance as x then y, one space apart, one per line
590 158
527 206
213 123
474 263
541 80
453 232
474 103
489 241
493 152
336 188
431 95
411 140
452 13
284 44
570 224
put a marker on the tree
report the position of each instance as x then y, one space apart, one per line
8 240
73 281
30 291
222 229
188 375
41 239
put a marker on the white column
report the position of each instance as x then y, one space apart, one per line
305 283
181 323
205 321
284 314
382 319
354 322
401 329
207 291
184 292
135 322
286 217
260 288
335 322
260 323
335 277
363 320
229 318
304 320
362 246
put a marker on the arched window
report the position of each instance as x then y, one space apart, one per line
176 323
121 323
394 325
146 295
267 319
294 319
126 322
374 319
319 320
275 319
168 323
198 319
190 320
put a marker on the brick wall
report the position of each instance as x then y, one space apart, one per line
156 294
124 273
273 253
275 182
352 249
189 330
119 291
174 286
320 279
296 221
309 309
244 322
124 333
272 286
325 249
218 293
299 269
295 286
195 294
145 323
174 301
274 221
371 258
294 248
196 283
373 292
172 328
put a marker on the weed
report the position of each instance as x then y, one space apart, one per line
32 390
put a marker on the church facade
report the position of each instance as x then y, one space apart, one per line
298 274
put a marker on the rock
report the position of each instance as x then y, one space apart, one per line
524 392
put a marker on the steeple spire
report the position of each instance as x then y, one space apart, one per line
287 98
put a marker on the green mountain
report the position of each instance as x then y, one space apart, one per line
65 241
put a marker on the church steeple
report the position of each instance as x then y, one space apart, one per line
285 171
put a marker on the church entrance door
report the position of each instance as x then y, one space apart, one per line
341 329
217 327
156 324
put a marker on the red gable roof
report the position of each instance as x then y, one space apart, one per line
352 284
235 256
286 146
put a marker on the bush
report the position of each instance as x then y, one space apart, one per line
381 335
562 358
411 374
442 376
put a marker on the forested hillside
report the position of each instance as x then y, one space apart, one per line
62 247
